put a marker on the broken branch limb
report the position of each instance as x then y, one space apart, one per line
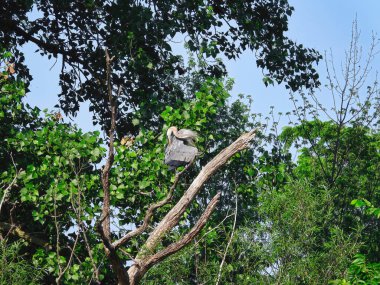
174 247
138 270
172 218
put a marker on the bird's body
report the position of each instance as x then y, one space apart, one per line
181 148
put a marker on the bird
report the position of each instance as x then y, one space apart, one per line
181 149
187 136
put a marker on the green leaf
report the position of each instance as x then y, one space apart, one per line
135 122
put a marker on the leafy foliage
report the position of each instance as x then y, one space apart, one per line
138 34
54 165
14 269
58 184
361 271
295 224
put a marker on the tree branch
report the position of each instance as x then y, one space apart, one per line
103 224
143 266
9 187
49 47
105 217
229 242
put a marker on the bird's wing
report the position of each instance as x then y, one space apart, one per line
186 134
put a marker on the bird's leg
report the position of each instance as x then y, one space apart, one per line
187 166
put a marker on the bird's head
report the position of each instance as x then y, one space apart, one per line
171 131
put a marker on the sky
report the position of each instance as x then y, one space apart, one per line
323 25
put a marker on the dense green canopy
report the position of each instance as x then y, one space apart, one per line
140 35
300 206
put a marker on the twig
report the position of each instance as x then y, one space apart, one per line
9 187
57 243
70 258
6 190
217 226
229 241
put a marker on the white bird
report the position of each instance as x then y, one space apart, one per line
187 136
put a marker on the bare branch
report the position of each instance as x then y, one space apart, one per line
145 264
105 217
9 187
6 190
209 231
70 259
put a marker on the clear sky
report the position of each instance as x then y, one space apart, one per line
319 24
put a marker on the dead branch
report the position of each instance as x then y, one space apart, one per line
105 217
145 259
138 270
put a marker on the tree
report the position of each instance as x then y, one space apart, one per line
138 34
14 269
147 256
305 230
57 185
144 82
338 159
48 185
342 151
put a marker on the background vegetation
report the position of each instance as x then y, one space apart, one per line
298 207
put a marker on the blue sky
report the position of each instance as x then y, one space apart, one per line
322 25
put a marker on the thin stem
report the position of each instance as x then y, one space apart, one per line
229 242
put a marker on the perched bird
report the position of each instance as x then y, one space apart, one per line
187 136
181 148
